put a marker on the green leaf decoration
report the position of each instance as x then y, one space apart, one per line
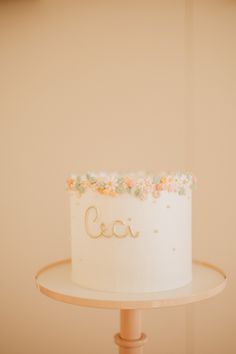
81 189
119 189
90 178
156 180
137 192
182 191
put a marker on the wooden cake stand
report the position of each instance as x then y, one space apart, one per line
54 281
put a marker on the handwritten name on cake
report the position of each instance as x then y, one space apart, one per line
118 228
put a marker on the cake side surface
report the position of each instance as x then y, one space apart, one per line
124 243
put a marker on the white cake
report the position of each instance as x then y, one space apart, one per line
131 232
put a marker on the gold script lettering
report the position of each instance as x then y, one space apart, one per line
101 229
88 214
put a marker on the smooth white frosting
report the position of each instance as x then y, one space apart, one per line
160 258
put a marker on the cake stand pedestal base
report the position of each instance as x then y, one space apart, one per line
130 339
54 281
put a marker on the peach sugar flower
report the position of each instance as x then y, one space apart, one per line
70 183
128 181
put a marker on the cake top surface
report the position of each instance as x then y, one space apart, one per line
139 184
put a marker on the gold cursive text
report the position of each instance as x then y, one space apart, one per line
118 228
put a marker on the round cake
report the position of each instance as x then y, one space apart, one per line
131 232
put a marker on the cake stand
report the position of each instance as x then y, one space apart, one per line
54 281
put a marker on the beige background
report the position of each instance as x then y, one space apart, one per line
103 85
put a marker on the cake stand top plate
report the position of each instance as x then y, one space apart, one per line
54 280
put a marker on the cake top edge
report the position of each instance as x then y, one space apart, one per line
139 184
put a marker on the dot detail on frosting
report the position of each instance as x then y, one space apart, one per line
139 186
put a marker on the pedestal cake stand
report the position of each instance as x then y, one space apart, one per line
54 281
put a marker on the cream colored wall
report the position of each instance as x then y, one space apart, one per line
101 86
214 321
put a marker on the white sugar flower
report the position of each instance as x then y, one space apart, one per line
111 182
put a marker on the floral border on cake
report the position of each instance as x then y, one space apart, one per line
139 186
